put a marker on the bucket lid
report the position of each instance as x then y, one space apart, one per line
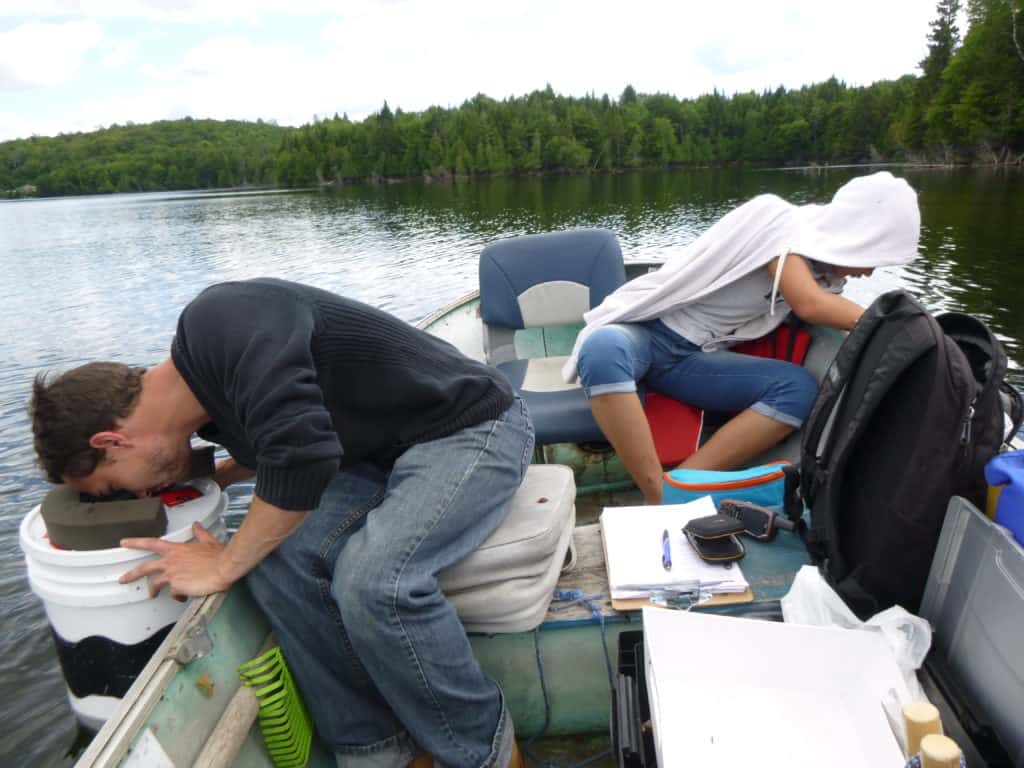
205 510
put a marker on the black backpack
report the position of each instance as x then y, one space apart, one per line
907 416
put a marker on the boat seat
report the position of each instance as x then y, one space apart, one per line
546 281
507 584
559 411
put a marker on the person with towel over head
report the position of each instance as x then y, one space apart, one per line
672 328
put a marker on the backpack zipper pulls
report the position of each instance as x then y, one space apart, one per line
965 434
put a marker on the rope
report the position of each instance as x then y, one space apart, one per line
573 597
570 597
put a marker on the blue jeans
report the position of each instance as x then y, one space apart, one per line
615 357
380 655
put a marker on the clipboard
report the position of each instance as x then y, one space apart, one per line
639 603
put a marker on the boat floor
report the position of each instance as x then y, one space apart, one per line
169 705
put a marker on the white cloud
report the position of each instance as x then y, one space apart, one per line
795 43
223 78
165 10
121 54
417 54
12 126
39 55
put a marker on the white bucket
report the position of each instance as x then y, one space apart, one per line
106 631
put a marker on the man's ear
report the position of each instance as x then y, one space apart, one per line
107 440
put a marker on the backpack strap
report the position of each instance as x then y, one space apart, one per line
792 503
1013 406
819 433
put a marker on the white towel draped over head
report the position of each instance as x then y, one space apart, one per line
872 221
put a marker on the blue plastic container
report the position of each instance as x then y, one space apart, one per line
1007 470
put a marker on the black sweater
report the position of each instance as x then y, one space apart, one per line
298 381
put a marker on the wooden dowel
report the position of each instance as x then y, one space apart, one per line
228 736
919 720
939 751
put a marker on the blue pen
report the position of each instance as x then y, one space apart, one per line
666 551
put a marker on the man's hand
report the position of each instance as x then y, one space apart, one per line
205 566
192 569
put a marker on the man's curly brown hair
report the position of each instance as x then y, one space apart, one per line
67 411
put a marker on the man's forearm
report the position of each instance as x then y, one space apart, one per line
262 530
229 472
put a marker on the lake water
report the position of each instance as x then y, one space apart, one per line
105 278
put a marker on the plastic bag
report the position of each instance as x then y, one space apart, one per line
812 601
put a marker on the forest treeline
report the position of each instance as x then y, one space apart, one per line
965 105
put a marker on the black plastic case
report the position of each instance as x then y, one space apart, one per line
714 538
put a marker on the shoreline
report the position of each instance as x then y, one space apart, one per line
459 178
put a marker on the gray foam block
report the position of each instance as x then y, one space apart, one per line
74 522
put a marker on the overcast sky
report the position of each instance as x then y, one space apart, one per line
76 65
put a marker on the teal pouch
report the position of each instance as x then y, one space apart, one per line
765 485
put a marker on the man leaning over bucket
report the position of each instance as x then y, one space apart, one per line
382 456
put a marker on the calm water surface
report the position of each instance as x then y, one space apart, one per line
105 278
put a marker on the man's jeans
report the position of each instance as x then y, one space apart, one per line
380 656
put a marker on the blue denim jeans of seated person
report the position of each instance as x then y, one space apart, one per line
615 357
378 652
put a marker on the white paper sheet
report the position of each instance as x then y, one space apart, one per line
633 542
732 691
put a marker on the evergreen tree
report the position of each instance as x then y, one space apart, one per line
943 40
980 107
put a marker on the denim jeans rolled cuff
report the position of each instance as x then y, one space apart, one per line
774 413
400 750
610 389
613 359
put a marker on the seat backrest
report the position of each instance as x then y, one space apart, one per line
544 280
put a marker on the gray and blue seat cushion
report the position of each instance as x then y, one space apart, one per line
559 411
545 281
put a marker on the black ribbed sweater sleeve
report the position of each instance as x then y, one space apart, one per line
248 357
